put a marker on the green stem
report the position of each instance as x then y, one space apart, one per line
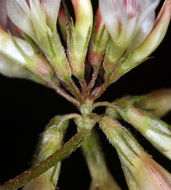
40 168
101 104
68 117
101 177
93 154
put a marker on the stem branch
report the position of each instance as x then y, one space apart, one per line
74 90
84 88
68 117
94 78
64 94
97 92
106 104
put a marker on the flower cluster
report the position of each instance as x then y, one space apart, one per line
79 56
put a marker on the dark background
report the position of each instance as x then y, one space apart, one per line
26 107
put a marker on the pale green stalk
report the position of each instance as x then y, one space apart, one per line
101 177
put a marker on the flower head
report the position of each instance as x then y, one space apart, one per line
128 21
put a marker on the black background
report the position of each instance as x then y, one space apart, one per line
26 107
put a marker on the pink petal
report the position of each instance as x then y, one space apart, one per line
110 16
18 12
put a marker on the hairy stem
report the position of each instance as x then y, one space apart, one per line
84 87
94 78
64 94
97 92
68 117
101 177
74 90
99 104
43 166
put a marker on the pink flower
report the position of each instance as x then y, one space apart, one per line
39 15
38 21
128 21
13 58
8 51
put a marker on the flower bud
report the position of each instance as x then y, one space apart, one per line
35 63
140 170
134 31
98 41
155 130
52 137
35 20
157 102
126 19
8 49
11 69
81 33
50 142
152 41
12 63
39 23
